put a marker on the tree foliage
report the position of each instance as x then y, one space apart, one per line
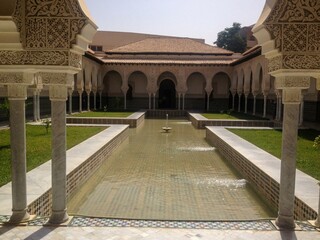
232 39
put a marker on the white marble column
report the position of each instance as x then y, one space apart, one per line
254 104
301 117
150 100
288 159
80 100
125 101
94 100
100 98
246 103
17 96
208 101
38 106
264 105
88 100
58 97
183 100
239 103
70 101
35 107
233 100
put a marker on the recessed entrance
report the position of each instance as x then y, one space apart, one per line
167 95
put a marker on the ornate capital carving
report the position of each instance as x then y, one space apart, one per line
17 78
291 82
11 77
52 78
58 93
291 96
17 92
274 63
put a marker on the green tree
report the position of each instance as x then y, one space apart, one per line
232 39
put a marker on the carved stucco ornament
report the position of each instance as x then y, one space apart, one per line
290 30
52 33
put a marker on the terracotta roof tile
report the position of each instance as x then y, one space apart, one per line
163 61
171 46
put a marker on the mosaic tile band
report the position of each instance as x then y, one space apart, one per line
78 221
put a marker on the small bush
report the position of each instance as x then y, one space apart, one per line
316 143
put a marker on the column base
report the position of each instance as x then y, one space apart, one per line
58 217
285 222
19 217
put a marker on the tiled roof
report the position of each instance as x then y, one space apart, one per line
170 46
167 61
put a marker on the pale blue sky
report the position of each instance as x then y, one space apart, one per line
183 18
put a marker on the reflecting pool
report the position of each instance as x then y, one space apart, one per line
167 176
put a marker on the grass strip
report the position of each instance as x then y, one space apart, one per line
231 116
103 114
308 157
38 146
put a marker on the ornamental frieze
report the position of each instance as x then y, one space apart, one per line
301 61
59 58
295 11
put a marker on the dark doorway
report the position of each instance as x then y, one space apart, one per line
167 95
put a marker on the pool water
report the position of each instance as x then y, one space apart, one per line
167 176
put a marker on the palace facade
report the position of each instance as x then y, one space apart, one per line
139 71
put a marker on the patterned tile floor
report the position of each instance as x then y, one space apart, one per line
80 221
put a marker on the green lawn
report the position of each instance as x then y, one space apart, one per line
103 114
38 146
308 157
231 116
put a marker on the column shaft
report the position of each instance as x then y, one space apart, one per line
239 104
70 102
246 104
80 101
88 101
288 166
35 114
254 104
264 106
38 106
59 179
19 166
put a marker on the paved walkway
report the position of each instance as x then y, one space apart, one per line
128 233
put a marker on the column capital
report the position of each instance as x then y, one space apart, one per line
56 78
58 93
291 96
7 78
17 92
292 82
